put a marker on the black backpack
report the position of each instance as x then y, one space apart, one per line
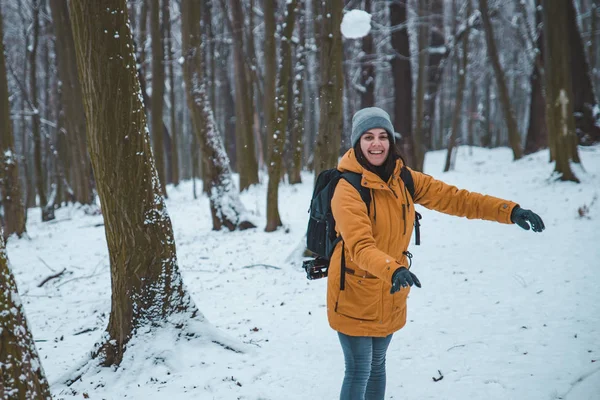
321 237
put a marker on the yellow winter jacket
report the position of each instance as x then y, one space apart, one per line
374 243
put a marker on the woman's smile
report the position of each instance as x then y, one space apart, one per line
375 145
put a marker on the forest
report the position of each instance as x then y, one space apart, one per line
111 108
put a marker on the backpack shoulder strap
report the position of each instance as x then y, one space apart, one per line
354 179
407 178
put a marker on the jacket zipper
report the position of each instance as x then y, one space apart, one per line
404 216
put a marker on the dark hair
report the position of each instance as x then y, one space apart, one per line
386 169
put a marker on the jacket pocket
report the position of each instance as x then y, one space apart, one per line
399 299
361 298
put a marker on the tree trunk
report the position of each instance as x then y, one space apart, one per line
351 92
435 69
402 75
47 213
460 91
79 162
511 124
367 75
299 71
255 85
29 187
21 374
446 85
146 285
423 41
143 36
331 87
211 53
158 92
246 158
226 207
10 188
313 103
147 101
585 105
194 150
166 18
280 118
473 115
486 137
593 44
229 115
45 112
537 132
270 61
559 104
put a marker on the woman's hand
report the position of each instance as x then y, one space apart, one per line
402 278
524 218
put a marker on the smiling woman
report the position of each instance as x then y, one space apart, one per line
375 145
368 277
372 136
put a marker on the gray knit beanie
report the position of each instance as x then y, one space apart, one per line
369 118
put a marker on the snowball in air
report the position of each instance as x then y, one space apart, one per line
356 24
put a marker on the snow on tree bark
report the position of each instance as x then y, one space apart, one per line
21 373
225 205
280 118
297 111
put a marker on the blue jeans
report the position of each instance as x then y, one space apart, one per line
365 367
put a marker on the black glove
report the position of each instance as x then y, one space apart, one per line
521 217
403 278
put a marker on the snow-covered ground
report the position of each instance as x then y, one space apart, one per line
503 313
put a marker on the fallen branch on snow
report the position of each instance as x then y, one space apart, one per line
42 283
85 331
261 265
